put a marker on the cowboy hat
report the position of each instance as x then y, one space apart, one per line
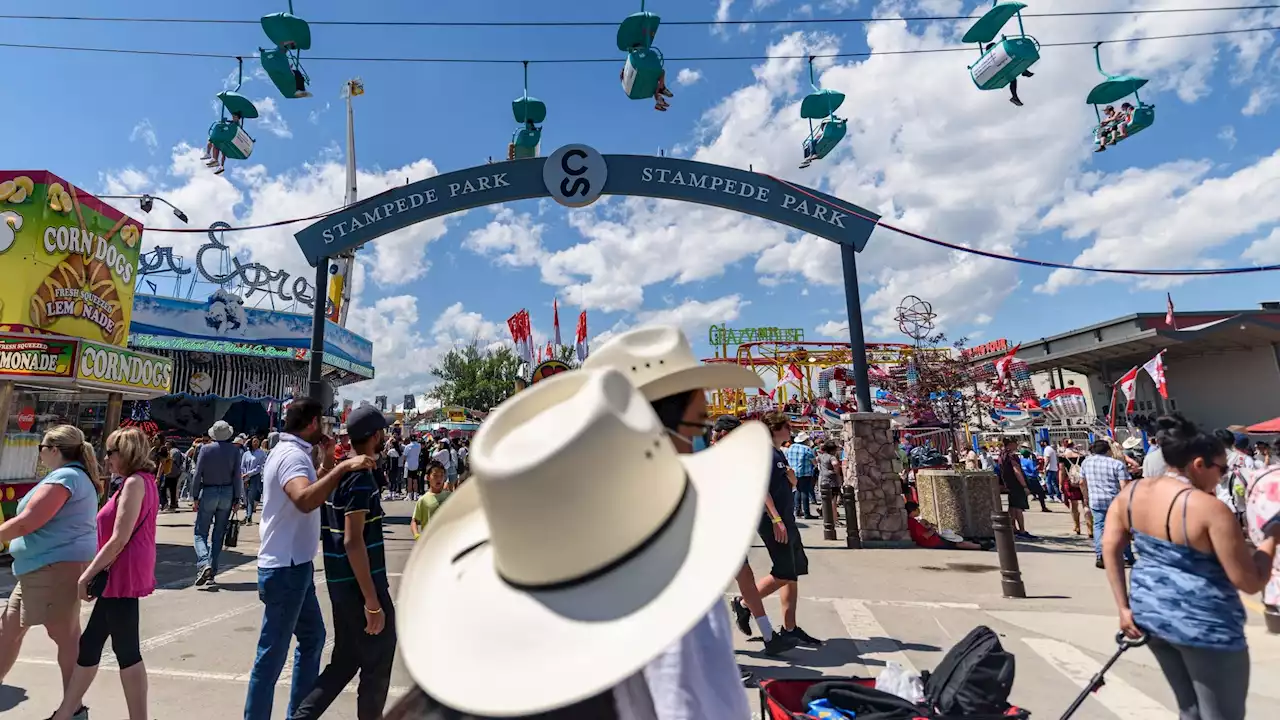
660 361
802 438
562 603
1131 443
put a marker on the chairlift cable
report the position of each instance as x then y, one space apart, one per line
605 23
1180 272
582 61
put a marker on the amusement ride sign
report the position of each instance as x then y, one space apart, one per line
547 369
722 335
577 175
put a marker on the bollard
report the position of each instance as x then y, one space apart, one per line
1002 526
852 535
828 514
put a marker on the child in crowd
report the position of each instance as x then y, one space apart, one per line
924 534
430 501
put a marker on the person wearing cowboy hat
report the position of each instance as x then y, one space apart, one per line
556 614
216 492
661 363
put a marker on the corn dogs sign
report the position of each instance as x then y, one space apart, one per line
68 260
106 365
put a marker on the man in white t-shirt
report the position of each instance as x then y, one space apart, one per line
413 467
291 494
1051 477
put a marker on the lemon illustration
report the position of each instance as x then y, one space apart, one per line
10 224
6 189
19 195
25 183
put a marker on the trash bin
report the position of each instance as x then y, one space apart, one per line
959 500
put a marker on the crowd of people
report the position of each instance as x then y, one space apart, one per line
616 588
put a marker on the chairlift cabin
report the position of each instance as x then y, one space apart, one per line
283 63
999 63
1114 89
644 67
821 105
528 112
228 134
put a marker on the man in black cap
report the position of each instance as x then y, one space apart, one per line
356 570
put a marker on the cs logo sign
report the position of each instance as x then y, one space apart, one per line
575 175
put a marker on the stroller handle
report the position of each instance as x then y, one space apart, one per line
1127 642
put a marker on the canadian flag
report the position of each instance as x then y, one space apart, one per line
555 319
1168 314
580 340
521 335
1128 383
1155 368
1004 363
795 375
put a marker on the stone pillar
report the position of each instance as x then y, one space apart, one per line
870 478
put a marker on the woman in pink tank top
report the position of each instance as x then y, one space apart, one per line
127 549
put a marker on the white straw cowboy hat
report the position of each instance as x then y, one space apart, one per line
660 361
583 546
221 431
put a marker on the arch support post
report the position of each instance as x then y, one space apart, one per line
315 381
857 340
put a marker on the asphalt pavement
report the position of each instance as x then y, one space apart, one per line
871 606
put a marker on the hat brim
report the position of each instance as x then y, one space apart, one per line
461 625
701 377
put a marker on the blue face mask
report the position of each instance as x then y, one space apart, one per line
699 443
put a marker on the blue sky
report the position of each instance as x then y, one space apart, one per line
925 148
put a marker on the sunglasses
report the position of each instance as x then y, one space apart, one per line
111 451
1223 469
48 447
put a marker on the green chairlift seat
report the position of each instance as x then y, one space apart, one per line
828 136
1000 65
526 142
231 139
1114 89
642 72
237 104
287 30
638 30
279 67
821 104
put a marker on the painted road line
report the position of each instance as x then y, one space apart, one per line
325 651
151 643
869 636
1118 696
203 676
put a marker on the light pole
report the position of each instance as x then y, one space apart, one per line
146 202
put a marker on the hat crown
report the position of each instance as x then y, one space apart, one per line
574 474
645 355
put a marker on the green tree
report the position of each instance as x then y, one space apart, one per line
475 377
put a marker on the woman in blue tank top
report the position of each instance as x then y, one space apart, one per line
1184 591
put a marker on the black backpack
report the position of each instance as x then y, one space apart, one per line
974 679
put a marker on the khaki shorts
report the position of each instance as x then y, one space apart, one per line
47 595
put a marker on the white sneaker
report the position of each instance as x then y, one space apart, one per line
302 94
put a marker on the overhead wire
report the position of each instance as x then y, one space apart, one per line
606 23
581 61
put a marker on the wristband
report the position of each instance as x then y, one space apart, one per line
373 612
777 520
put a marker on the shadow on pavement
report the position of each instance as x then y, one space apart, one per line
11 697
174 563
236 587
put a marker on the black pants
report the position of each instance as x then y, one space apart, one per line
355 651
169 489
116 618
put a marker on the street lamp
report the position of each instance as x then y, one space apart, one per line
146 202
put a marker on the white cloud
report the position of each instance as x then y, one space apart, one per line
1228 136
688 76
270 119
251 195
1265 251
833 329
512 240
145 133
1174 214
402 353
694 316
722 15
313 117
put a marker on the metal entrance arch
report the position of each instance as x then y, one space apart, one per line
576 176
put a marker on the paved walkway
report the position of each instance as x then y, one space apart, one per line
873 607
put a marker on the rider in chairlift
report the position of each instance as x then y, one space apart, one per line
811 146
1115 127
299 80
1013 84
213 156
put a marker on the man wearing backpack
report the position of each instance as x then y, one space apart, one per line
172 463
